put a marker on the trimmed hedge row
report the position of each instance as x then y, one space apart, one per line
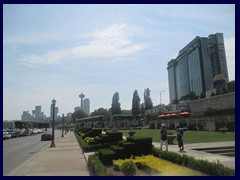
210 168
91 147
134 146
96 166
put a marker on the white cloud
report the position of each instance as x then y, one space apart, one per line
113 41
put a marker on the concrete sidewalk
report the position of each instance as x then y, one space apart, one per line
190 150
66 159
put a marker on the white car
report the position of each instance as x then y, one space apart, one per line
6 135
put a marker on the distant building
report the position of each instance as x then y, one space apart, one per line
26 116
196 66
86 106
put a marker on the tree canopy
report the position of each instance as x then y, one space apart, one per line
103 112
147 99
136 103
79 114
116 106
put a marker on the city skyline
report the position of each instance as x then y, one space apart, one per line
57 51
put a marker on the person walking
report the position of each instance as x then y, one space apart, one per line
164 136
180 137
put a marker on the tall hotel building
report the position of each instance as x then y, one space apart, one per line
196 65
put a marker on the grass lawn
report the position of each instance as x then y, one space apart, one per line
190 136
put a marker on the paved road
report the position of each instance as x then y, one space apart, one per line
17 151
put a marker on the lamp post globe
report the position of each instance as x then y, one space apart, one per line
53 113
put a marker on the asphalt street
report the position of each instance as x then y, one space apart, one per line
17 151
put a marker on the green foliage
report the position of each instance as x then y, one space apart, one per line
147 99
96 166
231 86
142 145
107 156
128 168
136 103
30 124
79 114
95 144
116 106
210 168
102 112
114 136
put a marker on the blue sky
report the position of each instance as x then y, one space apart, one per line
60 51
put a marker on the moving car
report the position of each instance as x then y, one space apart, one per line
47 136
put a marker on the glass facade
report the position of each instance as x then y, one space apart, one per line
196 65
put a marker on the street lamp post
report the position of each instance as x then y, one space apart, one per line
53 113
62 124
160 96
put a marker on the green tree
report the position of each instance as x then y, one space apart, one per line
136 103
78 115
231 86
147 99
103 112
116 106
224 90
142 109
218 92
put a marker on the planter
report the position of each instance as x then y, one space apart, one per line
131 133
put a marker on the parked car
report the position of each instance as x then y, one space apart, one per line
6 135
47 136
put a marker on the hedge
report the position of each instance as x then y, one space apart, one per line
96 166
107 156
210 168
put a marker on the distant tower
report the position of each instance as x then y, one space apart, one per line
86 106
82 96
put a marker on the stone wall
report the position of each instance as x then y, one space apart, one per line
224 101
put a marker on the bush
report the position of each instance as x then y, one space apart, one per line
107 156
129 148
120 151
142 145
114 136
96 166
210 168
128 168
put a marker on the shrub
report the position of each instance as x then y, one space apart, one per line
210 168
114 136
128 168
142 145
96 166
106 156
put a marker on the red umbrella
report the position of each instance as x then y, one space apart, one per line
162 116
184 113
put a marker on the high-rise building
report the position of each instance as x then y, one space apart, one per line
196 65
86 106
26 116
37 112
